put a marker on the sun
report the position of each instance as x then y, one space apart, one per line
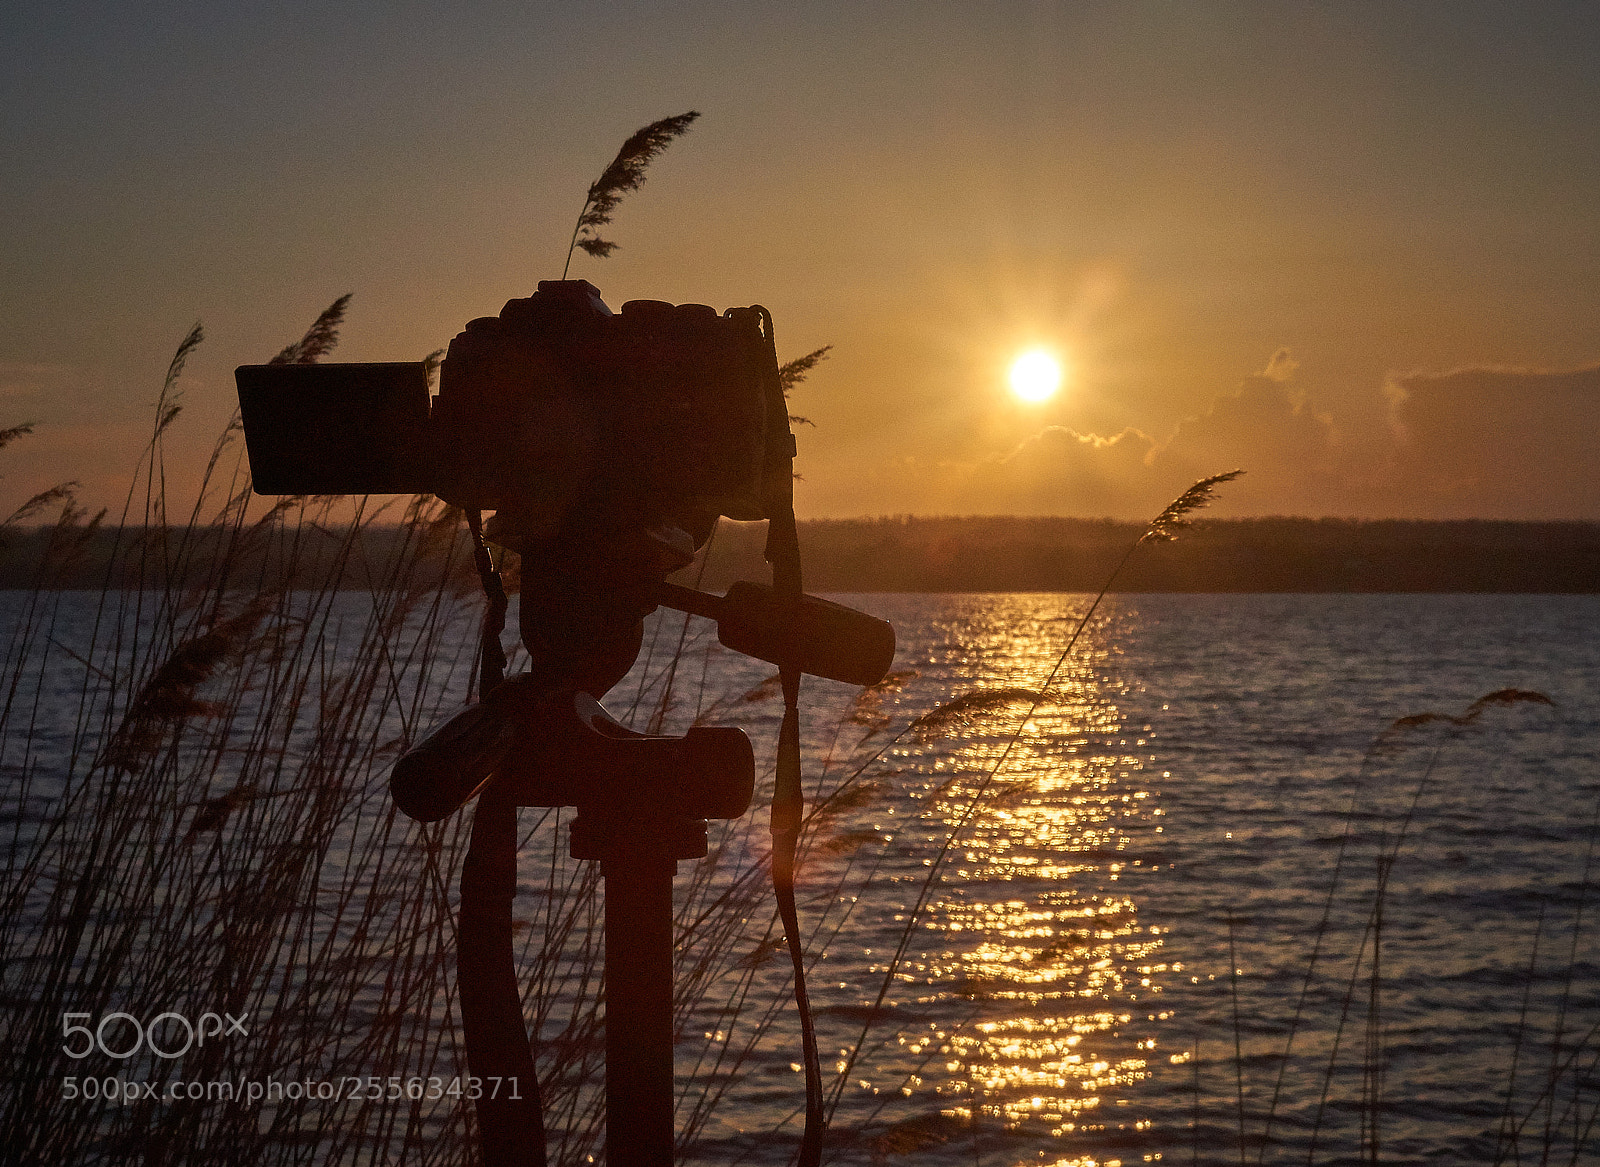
1035 375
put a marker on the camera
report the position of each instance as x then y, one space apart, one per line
556 413
607 444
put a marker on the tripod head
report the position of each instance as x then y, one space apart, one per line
568 750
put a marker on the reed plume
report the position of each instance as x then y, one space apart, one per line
319 339
7 436
626 173
169 697
791 373
1165 527
171 401
61 492
970 706
1390 741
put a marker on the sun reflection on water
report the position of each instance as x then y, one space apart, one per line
1059 971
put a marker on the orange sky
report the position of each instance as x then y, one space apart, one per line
1351 249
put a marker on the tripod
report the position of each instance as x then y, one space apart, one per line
543 739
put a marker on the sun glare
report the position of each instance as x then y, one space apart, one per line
1035 375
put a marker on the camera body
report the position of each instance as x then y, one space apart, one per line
554 413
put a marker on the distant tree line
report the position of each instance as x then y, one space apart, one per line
1010 554
1003 554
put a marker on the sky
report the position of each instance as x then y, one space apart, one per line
1350 248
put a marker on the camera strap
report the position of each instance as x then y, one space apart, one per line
510 1129
788 798
491 656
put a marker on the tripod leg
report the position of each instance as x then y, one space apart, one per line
510 1128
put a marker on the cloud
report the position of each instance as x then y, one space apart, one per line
1482 442
1469 443
1059 467
1281 367
1054 471
1263 425
1295 461
1054 439
1490 442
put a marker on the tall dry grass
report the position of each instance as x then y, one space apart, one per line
213 835
196 821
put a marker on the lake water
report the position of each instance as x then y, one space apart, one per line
1213 773
1200 899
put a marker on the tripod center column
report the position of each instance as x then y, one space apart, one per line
638 861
